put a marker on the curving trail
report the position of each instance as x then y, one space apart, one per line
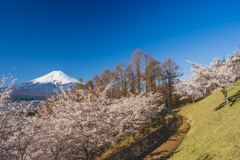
166 149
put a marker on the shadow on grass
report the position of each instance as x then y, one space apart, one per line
220 106
234 98
162 140
153 147
231 99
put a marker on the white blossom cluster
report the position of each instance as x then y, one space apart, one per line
74 125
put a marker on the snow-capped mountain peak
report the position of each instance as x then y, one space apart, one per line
55 77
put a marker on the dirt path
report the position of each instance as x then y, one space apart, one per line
163 151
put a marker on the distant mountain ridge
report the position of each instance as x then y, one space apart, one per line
43 87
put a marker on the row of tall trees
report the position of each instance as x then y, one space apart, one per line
142 74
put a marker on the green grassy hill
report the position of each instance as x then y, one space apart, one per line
214 131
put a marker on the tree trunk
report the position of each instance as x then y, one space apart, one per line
224 92
134 137
170 104
193 101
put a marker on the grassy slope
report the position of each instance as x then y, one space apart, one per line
213 134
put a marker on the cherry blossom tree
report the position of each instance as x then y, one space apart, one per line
12 123
77 124
219 74
193 87
136 110
81 125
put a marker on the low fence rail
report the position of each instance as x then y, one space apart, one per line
142 145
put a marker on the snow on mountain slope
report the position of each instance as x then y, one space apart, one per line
55 77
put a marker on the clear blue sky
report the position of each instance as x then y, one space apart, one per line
84 37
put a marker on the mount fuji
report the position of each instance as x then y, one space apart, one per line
55 77
43 87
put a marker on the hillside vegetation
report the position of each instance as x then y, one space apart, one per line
215 128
